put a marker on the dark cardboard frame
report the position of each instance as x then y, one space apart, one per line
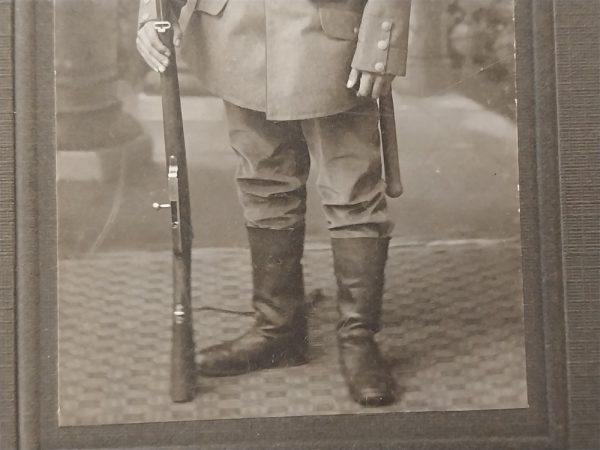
558 66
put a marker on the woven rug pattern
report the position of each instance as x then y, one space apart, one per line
452 328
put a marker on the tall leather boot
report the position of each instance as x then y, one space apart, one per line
278 336
359 265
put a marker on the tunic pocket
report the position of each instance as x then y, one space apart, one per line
212 7
340 23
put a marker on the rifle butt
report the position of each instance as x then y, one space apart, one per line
183 366
183 376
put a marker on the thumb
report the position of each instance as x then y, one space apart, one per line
177 33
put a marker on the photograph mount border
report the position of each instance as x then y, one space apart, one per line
553 176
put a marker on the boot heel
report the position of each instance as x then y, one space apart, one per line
293 360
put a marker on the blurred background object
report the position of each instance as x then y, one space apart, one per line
429 70
481 38
464 46
130 65
92 127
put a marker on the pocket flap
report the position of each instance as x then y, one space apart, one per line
212 7
340 23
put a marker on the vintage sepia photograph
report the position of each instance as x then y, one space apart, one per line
299 224
283 208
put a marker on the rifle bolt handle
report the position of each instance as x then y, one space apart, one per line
158 206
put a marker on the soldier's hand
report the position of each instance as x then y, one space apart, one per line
370 84
149 45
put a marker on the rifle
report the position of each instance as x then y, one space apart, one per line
182 382
389 146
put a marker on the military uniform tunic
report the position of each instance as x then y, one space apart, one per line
282 66
291 58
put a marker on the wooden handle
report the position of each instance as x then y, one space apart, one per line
389 145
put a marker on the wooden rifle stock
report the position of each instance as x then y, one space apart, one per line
389 146
183 370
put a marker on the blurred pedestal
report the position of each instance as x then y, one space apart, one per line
90 117
429 70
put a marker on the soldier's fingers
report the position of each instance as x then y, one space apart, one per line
150 35
150 60
176 34
154 59
378 86
153 52
352 79
366 84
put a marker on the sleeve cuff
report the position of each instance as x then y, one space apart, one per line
392 62
382 46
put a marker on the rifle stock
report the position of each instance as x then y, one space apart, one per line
183 373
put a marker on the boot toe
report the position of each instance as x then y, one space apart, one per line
236 357
371 386
248 353
214 362
367 375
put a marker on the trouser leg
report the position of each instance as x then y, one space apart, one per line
350 183
271 177
346 148
273 166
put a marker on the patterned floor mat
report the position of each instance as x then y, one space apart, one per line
453 330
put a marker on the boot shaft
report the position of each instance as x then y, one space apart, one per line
359 265
278 284
279 336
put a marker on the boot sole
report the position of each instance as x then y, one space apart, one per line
298 360
373 402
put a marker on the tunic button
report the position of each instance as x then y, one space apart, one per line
355 30
382 45
379 67
145 16
386 26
